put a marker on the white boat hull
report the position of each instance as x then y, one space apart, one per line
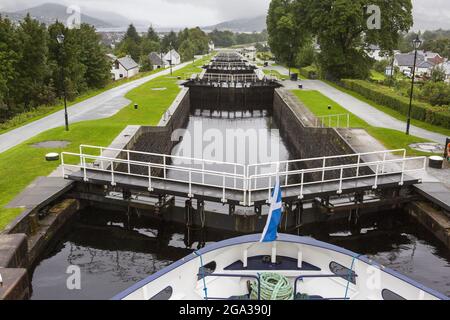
315 269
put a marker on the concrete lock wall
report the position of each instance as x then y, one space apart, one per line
308 142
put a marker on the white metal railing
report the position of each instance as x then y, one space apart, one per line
333 121
187 175
244 179
220 77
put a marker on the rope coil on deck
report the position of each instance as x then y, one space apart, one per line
273 287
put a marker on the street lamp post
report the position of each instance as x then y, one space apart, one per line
417 43
60 39
170 61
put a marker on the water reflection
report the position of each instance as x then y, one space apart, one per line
113 256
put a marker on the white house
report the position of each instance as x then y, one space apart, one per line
211 46
374 52
124 67
172 58
446 66
157 60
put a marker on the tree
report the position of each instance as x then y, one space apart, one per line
438 74
169 41
9 55
93 56
130 44
285 36
222 38
32 68
436 93
187 50
152 35
132 34
66 55
306 55
441 46
341 28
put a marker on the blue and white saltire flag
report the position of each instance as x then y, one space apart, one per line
270 232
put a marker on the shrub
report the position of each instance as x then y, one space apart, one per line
437 93
439 116
310 72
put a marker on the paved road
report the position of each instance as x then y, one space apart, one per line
103 105
371 115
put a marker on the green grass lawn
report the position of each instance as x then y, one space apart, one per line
274 73
391 112
22 164
391 139
377 76
43 111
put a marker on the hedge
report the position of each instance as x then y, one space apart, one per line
309 72
439 116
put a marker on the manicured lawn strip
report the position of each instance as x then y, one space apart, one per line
377 76
391 139
22 164
43 111
392 112
274 73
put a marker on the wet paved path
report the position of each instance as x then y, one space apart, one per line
363 110
100 106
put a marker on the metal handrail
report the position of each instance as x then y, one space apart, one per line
231 275
102 149
328 276
378 164
247 181
320 119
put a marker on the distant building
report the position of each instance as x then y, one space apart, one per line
124 67
446 66
172 58
111 57
211 46
375 53
157 60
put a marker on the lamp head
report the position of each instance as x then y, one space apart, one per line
60 38
417 42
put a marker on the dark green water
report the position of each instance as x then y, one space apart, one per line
114 253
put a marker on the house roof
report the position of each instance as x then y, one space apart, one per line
407 60
128 63
172 53
155 59
111 56
426 65
373 47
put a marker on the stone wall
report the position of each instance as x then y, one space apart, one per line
308 142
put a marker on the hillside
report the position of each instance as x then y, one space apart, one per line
50 12
257 24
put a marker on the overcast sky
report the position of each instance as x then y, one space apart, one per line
429 14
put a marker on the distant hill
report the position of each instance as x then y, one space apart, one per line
48 13
257 24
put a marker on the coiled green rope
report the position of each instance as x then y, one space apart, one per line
273 287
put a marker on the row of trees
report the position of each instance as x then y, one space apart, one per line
342 29
436 41
228 38
188 42
31 60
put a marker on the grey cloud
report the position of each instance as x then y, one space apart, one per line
428 14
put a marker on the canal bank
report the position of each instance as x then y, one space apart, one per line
196 213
